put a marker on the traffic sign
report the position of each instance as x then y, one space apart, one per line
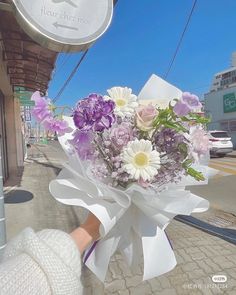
64 25
229 102
19 88
23 96
27 103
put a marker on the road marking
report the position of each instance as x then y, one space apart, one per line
223 163
219 175
227 170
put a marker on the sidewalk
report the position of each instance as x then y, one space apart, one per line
199 255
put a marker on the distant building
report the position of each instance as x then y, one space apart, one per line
226 78
220 102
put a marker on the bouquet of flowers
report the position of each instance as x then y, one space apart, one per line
127 142
129 160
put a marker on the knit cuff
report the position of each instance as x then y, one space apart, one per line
56 254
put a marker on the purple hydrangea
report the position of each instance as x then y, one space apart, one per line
168 140
56 125
42 108
188 103
94 113
82 143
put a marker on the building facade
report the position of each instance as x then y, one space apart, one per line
220 102
25 67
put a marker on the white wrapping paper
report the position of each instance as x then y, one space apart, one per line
132 220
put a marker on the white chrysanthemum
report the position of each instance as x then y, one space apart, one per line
125 100
140 160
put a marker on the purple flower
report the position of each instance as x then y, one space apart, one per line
56 125
94 113
191 100
121 134
181 109
42 108
82 142
188 103
167 140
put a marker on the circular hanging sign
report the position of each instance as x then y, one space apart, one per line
64 25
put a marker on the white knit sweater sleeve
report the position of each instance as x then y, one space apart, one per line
43 263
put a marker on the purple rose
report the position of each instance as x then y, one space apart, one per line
188 103
121 134
94 113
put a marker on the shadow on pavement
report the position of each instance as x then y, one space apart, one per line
56 169
226 234
18 196
231 156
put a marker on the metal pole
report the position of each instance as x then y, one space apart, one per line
3 237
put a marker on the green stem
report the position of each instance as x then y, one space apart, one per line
104 156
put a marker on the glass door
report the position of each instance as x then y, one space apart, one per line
3 138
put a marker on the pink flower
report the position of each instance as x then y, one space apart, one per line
143 183
200 141
145 116
57 125
42 108
121 134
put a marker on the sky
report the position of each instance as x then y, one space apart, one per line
141 41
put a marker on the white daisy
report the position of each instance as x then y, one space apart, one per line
125 100
140 160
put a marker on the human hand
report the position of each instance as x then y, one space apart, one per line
86 233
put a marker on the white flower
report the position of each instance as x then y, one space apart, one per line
125 100
140 160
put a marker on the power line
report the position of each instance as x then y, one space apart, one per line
64 61
70 77
74 70
180 40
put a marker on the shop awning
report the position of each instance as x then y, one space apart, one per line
28 64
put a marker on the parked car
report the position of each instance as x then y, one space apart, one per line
221 143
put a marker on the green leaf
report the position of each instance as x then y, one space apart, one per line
187 163
199 119
195 174
182 147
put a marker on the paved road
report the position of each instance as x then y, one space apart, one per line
199 255
225 165
221 190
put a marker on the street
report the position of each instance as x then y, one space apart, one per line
199 255
221 189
